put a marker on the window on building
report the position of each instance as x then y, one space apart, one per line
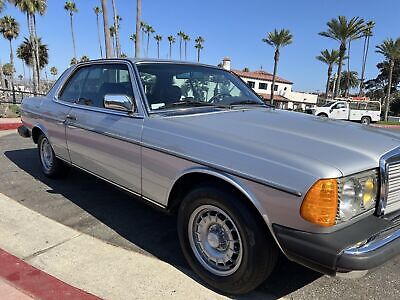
275 87
263 86
251 84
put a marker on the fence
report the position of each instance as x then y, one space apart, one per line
15 96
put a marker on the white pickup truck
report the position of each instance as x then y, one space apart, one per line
361 111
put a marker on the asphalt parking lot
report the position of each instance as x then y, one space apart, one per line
93 207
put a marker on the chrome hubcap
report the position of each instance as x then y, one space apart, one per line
215 240
46 154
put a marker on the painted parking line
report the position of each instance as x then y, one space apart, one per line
34 282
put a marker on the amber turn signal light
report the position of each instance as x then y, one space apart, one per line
321 203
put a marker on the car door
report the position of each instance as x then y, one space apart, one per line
340 111
106 142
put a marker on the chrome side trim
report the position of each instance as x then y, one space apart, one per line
372 244
115 184
384 161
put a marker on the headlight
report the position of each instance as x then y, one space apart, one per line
332 201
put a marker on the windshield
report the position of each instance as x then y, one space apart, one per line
327 104
169 86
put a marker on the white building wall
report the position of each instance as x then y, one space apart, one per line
282 87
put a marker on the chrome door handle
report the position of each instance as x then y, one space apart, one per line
70 117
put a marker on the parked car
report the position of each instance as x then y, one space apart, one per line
246 180
360 111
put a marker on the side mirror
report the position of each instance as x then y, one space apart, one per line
119 102
331 110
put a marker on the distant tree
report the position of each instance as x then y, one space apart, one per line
343 31
346 84
74 61
112 35
8 70
123 55
84 58
186 39
199 46
171 40
132 37
246 69
390 49
149 30
71 8
54 72
20 77
330 58
180 34
97 10
9 28
367 33
143 26
158 39
117 20
277 39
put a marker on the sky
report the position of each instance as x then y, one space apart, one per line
232 28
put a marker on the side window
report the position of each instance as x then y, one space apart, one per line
101 80
362 106
353 105
72 91
339 105
373 106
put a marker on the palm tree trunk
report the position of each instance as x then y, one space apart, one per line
158 49
34 65
106 29
180 48
387 104
147 47
138 16
98 34
342 51
348 73
198 54
276 59
185 50
73 35
328 80
365 64
170 50
116 25
36 51
360 92
11 55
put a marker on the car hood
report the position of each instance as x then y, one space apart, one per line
273 144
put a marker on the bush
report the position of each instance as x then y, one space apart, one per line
14 111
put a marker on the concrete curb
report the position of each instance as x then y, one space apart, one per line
10 123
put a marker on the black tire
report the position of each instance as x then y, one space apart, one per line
259 254
323 115
366 120
57 168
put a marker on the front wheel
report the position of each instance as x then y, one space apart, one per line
366 120
52 167
224 242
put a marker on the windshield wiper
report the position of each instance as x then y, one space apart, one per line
247 102
188 103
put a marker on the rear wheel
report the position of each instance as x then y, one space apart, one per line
52 167
366 120
223 241
322 115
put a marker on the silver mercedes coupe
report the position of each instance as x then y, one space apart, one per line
246 181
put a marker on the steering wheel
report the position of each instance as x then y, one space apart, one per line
218 97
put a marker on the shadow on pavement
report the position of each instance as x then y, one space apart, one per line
143 229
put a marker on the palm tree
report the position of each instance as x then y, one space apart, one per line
106 29
148 30
9 28
116 25
367 32
180 34
390 49
186 39
330 58
143 26
54 72
171 40
74 61
137 33
70 7
342 31
30 8
277 39
199 45
24 52
158 39
97 10
348 81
